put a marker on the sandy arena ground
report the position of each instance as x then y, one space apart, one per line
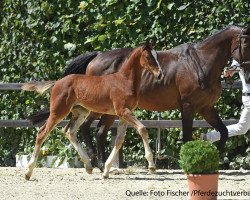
133 183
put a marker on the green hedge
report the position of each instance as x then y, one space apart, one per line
38 38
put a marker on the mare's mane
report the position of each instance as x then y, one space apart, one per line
218 34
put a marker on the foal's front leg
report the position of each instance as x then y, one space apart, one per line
128 116
121 132
79 114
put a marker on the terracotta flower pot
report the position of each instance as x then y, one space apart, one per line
203 186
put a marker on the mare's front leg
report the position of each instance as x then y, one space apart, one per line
187 113
212 117
104 125
85 133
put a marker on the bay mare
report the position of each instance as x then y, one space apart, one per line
191 83
113 94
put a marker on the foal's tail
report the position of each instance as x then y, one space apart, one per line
39 87
77 66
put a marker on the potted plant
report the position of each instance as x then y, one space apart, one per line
200 161
64 156
23 158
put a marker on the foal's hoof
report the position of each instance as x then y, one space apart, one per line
104 176
115 171
27 177
151 170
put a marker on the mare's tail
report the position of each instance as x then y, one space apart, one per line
40 117
80 63
39 87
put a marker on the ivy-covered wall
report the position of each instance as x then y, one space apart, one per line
38 38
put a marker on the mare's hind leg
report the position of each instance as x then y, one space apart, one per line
40 138
70 130
104 125
84 132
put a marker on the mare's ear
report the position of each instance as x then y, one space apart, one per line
246 30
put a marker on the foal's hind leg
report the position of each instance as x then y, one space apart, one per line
70 130
40 138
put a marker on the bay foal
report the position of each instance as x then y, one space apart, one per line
114 94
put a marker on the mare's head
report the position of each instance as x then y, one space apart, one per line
241 48
149 60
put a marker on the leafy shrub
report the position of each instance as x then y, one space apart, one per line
240 162
38 38
199 157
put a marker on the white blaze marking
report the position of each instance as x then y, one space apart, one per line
155 57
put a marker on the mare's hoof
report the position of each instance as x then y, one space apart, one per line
94 161
89 171
151 170
101 166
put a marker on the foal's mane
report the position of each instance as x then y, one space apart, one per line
131 54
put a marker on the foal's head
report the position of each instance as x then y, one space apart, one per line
150 62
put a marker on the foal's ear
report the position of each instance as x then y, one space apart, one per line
153 44
148 45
